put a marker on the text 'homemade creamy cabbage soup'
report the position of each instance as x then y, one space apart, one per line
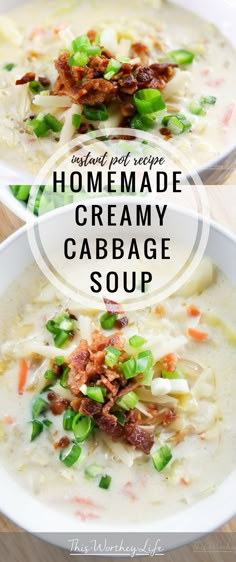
72 67
111 415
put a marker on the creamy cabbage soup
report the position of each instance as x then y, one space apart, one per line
108 414
72 67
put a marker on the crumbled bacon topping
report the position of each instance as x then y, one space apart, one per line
28 77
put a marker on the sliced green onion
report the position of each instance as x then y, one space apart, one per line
144 361
181 56
53 123
82 427
149 101
177 124
129 401
76 120
147 378
121 417
36 87
208 100
21 192
61 338
37 428
93 470
112 356
81 41
72 457
78 59
59 360
161 458
9 66
128 368
68 417
50 376
96 113
177 374
52 327
47 423
39 125
137 341
39 406
63 380
124 59
67 325
95 393
46 388
105 482
142 122
91 50
108 321
112 68
196 108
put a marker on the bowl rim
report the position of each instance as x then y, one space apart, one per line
199 519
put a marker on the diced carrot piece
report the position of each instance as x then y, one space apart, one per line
169 362
197 335
228 114
160 310
184 482
59 28
8 419
37 33
22 376
192 310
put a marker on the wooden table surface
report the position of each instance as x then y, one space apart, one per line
223 209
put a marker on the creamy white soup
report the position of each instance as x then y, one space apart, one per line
71 67
105 414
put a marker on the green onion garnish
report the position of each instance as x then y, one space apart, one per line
128 368
137 341
96 113
63 380
81 41
82 427
50 376
93 392
93 470
121 417
105 482
78 59
144 361
147 377
196 108
177 374
9 66
108 321
59 360
68 416
53 123
36 87
47 423
129 401
76 120
21 192
39 125
72 457
142 122
37 428
161 458
46 388
181 56
39 406
177 124
112 68
61 338
208 100
112 356
149 101
61 328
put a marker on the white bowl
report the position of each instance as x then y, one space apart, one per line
205 515
213 172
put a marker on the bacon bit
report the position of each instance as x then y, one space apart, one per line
112 307
169 362
85 516
60 27
38 32
184 482
121 323
197 335
44 81
28 77
228 115
22 376
166 133
85 501
128 491
160 310
8 419
91 34
192 310
63 443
